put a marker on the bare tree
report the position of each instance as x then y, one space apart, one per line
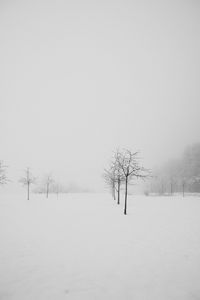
118 174
48 181
129 164
172 182
27 180
183 185
3 177
182 174
110 180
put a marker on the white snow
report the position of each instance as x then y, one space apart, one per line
81 246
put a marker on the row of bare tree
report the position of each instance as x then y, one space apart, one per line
178 175
27 179
123 168
45 185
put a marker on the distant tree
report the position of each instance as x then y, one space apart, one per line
27 180
182 175
118 174
48 181
58 188
191 162
3 176
129 165
110 180
183 182
161 184
114 177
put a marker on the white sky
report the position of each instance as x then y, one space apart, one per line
80 78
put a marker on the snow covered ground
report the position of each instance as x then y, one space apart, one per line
81 246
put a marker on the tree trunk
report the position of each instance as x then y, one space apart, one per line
114 191
118 198
28 191
47 190
126 192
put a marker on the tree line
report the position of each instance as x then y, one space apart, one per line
123 168
178 175
46 185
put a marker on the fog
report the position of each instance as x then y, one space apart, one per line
80 78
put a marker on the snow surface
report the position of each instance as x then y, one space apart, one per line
81 246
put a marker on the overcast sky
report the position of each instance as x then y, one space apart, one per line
80 78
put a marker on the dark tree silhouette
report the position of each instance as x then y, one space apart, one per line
48 181
118 175
129 164
27 180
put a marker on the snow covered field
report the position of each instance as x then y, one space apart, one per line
81 246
